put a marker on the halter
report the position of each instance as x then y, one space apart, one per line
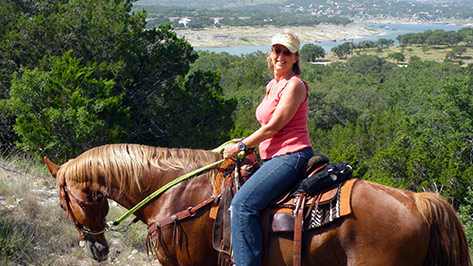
67 195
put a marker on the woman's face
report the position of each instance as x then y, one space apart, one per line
282 58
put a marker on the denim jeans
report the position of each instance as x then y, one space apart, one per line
275 177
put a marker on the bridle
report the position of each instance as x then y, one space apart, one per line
67 195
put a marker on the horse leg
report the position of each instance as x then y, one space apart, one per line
279 250
189 244
320 247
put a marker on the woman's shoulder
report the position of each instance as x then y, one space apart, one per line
270 84
297 87
296 81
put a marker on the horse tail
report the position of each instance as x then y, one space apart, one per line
448 245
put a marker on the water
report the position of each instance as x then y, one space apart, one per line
392 30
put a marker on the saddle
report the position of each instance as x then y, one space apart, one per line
296 211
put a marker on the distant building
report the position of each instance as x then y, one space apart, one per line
151 18
217 20
184 21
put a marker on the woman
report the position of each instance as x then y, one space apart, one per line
284 146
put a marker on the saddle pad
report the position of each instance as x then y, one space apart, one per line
283 218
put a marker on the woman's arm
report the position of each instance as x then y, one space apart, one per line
293 95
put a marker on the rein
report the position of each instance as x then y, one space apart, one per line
171 184
84 230
164 188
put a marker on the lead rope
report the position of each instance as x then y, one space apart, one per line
166 187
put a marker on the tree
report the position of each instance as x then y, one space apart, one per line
13 14
457 51
453 38
343 50
406 39
425 48
62 109
243 78
466 35
465 214
397 56
310 52
366 45
191 115
384 43
427 151
144 64
370 64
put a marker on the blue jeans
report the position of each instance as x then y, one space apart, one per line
275 177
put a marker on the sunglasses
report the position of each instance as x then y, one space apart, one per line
278 51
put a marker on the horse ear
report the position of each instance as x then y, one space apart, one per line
52 167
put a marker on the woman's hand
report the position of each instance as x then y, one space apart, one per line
231 149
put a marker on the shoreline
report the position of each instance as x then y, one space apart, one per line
217 37
224 37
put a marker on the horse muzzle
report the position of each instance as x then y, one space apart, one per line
97 250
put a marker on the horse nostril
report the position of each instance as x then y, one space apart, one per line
97 250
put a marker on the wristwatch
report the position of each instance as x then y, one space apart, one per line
241 146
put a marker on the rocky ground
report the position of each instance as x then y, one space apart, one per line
246 36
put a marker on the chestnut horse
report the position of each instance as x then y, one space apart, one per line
387 226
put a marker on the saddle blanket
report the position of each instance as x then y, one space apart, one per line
334 204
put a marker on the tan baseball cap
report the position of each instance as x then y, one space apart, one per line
287 39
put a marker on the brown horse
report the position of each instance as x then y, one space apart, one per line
387 226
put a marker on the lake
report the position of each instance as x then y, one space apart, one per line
392 31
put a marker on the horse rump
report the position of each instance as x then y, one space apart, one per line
448 245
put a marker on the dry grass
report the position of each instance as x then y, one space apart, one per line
436 53
35 231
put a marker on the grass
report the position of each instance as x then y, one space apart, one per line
436 53
34 230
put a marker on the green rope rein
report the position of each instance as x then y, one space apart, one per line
171 184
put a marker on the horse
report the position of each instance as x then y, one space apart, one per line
387 226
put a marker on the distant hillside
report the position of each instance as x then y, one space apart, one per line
211 4
428 11
240 3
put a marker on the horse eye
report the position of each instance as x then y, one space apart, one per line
98 196
62 205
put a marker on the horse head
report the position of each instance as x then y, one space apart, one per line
87 206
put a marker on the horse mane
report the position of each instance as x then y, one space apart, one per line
125 163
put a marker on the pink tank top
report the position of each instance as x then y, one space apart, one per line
294 136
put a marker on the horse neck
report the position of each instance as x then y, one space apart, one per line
177 198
